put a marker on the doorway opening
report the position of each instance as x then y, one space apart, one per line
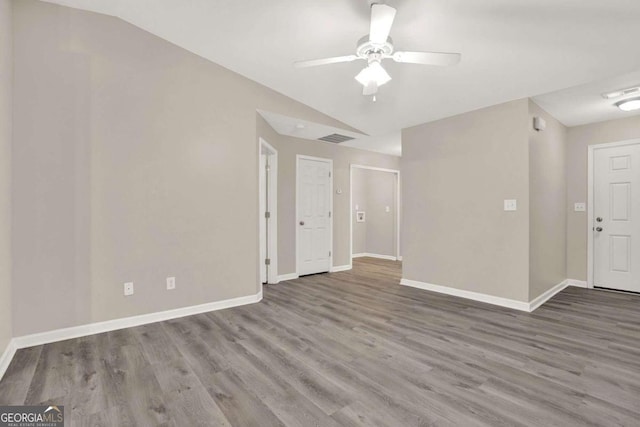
613 218
374 212
268 211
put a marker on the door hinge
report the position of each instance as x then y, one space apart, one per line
267 261
329 214
267 215
329 174
329 253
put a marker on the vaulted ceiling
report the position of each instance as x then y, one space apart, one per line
511 48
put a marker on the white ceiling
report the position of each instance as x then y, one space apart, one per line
511 49
291 126
584 104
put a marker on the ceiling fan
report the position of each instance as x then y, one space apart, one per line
378 46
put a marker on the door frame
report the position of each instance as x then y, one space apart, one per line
373 168
272 229
297 218
590 200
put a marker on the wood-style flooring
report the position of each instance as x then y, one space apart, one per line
350 349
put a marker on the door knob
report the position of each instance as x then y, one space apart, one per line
599 219
301 222
598 229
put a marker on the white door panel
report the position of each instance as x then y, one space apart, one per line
314 221
616 226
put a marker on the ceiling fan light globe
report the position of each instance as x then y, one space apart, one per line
373 72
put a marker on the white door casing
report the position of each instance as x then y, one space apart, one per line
263 225
268 202
615 218
397 210
313 215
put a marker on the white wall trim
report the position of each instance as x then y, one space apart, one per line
337 268
489 299
547 295
285 277
367 254
577 283
128 322
400 258
7 356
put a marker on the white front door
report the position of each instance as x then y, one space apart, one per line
616 217
314 215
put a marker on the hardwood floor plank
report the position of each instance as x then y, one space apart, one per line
354 349
18 377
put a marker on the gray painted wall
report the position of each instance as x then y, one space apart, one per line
456 174
578 140
360 198
373 192
6 76
343 157
133 160
547 207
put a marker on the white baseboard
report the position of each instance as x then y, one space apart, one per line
290 276
577 283
128 322
370 255
490 299
547 295
337 268
7 356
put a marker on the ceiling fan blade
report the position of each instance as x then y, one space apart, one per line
381 20
427 58
325 61
371 88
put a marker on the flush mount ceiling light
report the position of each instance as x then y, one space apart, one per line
631 104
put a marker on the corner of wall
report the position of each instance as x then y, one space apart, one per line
6 142
547 203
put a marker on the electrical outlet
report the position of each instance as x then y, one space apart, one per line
580 207
128 288
171 283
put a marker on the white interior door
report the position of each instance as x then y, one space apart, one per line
616 217
314 215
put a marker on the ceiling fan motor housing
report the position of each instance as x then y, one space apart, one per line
374 51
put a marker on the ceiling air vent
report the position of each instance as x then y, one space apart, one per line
336 138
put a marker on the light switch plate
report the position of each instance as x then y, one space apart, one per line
579 207
387 209
171 283
510 205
